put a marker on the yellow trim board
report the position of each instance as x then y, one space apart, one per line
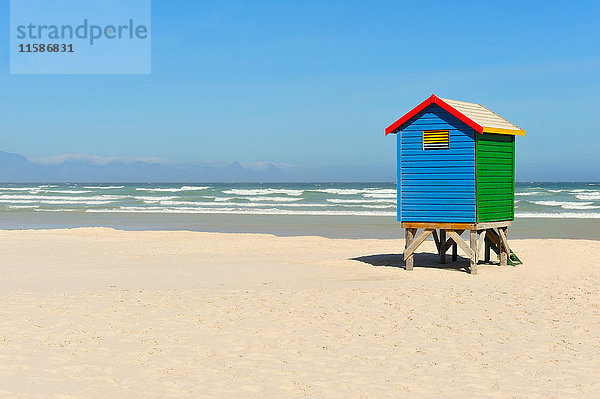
496 130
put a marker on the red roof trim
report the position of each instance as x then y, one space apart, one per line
394 127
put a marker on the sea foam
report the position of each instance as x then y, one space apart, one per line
235 211
103 187
565 215
568 204
173 190
263 191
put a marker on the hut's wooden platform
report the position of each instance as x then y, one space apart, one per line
447 235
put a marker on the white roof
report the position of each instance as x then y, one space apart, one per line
481 115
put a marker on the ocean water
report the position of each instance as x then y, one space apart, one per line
341 209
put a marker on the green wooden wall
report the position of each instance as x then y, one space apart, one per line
495 177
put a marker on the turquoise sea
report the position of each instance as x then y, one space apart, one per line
331 209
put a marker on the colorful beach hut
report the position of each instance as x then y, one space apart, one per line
456 173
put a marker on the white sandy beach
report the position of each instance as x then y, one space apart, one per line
97 313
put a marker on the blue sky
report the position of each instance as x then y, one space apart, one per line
315 84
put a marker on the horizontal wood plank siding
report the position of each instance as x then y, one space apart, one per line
436 185
495 154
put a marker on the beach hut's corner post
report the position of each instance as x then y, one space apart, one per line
504 247
408 260
473 255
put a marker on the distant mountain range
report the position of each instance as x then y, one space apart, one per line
85 168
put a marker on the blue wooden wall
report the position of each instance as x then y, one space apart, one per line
436 185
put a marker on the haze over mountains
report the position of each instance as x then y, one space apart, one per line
85 168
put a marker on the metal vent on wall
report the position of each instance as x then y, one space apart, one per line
436 139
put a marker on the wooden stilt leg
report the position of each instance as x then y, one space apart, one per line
480 244
409 239
505 231
488 250
442 246
473 256
454 252
503 251
434 234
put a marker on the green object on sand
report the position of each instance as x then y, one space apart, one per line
512 260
